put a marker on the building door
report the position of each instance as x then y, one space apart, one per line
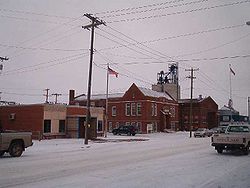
92 131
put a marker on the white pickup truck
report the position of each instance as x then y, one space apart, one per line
236 137
14 142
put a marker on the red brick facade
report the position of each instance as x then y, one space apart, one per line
51 121
150 112
144 112
204 113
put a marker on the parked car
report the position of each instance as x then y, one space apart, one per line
201 132
14 142
128 130
210 132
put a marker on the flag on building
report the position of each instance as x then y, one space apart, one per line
111 71
231 70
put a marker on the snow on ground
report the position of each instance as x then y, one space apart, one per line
162 160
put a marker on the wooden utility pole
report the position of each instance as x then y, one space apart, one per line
191 99
57 95
46 96
95 23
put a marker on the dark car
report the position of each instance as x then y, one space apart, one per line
128 130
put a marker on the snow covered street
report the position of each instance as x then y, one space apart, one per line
162 160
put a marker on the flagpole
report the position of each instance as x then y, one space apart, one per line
230 97
106 111
230 82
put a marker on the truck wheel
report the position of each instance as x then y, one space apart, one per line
219 150
1 153
16 149
246 150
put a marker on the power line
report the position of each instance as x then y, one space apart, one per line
20 70
49 42
44 49
49 31
179 12
138 7
35 13
108 60
151 49
215 47
31 20
184 60
154 9
179 36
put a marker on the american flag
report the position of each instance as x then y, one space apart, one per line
111 71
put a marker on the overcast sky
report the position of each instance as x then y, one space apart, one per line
47 48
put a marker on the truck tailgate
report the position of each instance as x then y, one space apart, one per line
227 139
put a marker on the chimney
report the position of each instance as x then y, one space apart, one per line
71 95
200 97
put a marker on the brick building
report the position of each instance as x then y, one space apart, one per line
205 113
148 110
51 120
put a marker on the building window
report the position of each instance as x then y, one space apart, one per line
154 109
139 128
117 124
172 125
185 119
113 110
110 127
172 111
61 126
99 126
154 127
196 119
133 109
225 118
138 109
128 109
47 126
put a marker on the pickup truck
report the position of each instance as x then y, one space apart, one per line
236 137
14 142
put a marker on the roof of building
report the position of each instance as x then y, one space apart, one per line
147 92
226 108
151 93
99 96
197 100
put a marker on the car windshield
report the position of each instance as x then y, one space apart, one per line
238 129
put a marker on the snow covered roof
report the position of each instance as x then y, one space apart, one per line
152 93
194 100
99 96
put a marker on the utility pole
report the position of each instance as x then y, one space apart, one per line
57 95
46 95
191 99
3 59
95 23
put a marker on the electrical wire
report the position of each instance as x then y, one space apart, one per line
35 13
138 7
43 49
179 12
154 9
108 60
182 35
63 60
